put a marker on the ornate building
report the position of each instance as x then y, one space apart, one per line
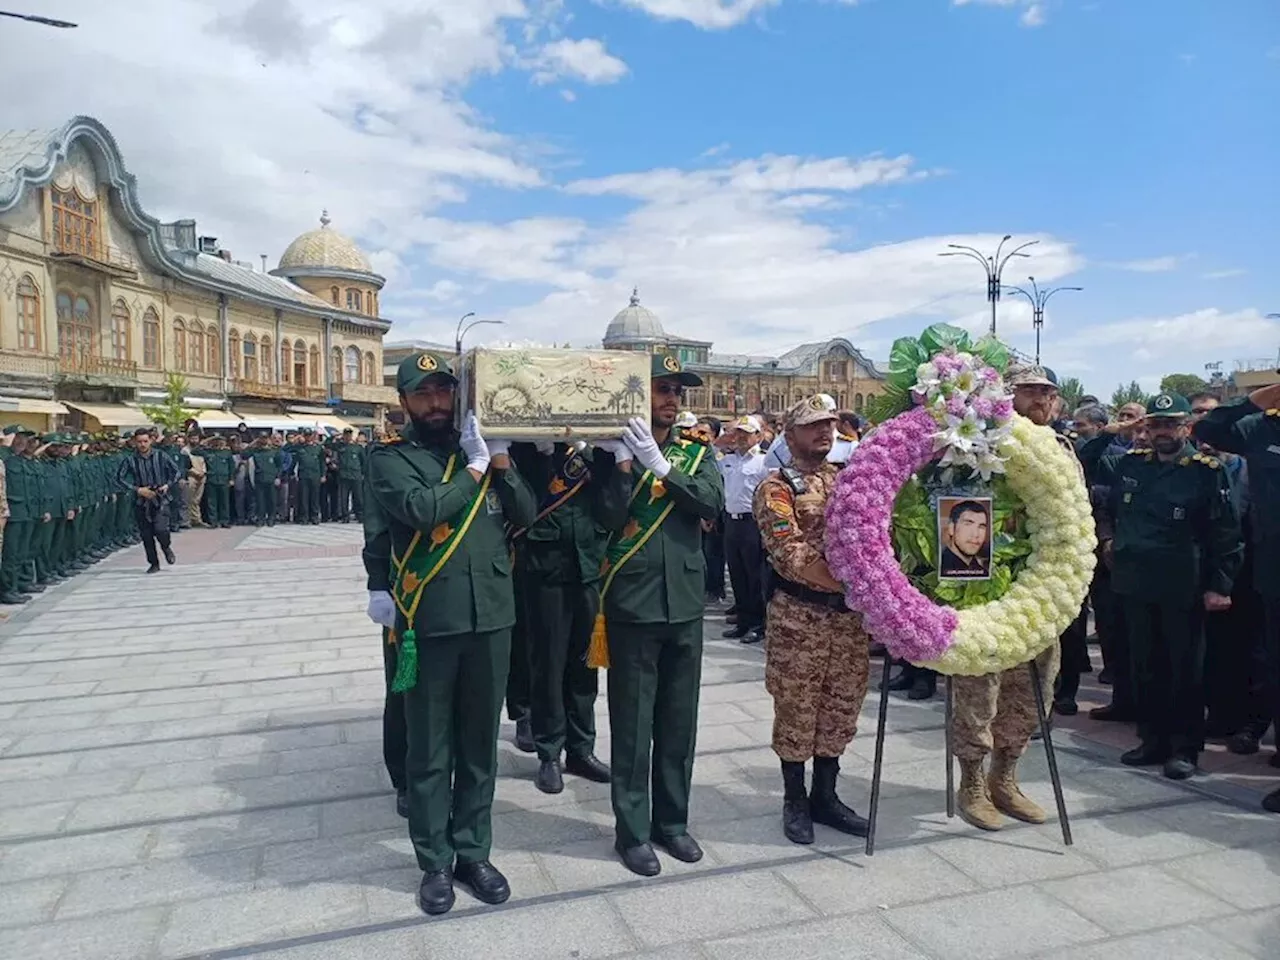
743 383
100 302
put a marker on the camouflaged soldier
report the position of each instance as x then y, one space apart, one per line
816 657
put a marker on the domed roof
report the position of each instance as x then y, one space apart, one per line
324 249
634 323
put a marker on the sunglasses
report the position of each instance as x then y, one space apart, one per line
669 389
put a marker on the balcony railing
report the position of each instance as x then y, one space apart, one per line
28 364
365 393
90 254
276 391
89 365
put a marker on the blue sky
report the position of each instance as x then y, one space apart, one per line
767 171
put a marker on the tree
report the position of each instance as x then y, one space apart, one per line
172 414
1132 393
1070 390
1184 383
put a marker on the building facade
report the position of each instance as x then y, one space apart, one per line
735 384
100 303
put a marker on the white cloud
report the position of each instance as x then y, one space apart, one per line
1033 16
1225 274
1034 12
707 14
585 60
1151 264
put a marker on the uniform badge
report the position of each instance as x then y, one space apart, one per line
1179 513
575 467
1164 402
1128 498
492 503
815 403
427 363
671 364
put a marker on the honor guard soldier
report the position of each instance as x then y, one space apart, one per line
20 504
448 498
649 631
816 656
1176 553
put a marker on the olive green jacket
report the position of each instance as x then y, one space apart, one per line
472 593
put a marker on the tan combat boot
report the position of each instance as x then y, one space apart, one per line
972 800
1007 795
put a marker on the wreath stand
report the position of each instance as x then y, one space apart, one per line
1045 733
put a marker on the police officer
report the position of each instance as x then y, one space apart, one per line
816 660
447 498
1251 429
651 625
1175 555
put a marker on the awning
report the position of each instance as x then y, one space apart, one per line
113 414
50 408
319 420
217 418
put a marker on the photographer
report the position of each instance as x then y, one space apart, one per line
150 475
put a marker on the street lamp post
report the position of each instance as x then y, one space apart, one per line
462 331
1038 298
993 266
43 21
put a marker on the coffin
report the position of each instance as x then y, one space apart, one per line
538 393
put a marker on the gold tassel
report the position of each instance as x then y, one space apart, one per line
598 651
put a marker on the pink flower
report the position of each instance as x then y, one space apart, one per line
984 408
955 405
1002 410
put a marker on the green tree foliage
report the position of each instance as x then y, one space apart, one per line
1183 383
1071 390
171 413
1130 393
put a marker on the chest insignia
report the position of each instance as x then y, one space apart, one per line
1179 513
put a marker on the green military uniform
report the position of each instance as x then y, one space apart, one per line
309 457
460 628
23 494
266 471
351 457
653 605
220 471
1177 536
558 576
46 557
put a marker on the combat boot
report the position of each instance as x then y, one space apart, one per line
825 807
973 802
1006 795
797 824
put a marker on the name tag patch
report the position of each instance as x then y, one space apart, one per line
1179 513
1128 498
1274 448
492 504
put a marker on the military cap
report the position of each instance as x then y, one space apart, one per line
27 432
418 367
668 366
1028 375
1168 405
813 409
747 424
686 420
11 429
51 438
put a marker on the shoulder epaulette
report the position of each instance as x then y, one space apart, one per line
1138 452
1274 412
1213 463
394 438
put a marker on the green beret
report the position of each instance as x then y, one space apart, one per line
418 367
1168 405
668 366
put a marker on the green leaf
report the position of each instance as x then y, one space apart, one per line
943 335
904 357
994 352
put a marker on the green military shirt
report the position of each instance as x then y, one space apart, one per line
309 458
472 592
1254 434
376 554
20 481
1176 532
48 476
351 458
664 581
219 465
266 464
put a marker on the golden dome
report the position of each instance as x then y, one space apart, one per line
324 249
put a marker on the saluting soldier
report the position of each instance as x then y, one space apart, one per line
1176 553
816 659
558 562
220 479
350 478
309 457
266 478
21 502
649 633
448 498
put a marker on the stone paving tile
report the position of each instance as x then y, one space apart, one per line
156 882
1183 943
30 901
32 792
1254 931
1136 899
1014 856
853 884
842 938
128 936
1248 878
21 822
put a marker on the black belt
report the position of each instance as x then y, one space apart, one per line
832 601
740 516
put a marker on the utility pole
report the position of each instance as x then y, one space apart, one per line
43 21
461 332
992 265
1038 298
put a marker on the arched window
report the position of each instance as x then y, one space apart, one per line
373 304
75 326
351 365
370 373
195 347
286 362
250 357
857 403
233 353
265 360
151 339
334 294
299 363
335 365
179 344
120 322
212 350
313 366
75 227
353 299
30 323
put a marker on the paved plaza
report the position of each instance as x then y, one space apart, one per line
190 766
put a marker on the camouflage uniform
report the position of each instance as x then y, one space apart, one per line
999 709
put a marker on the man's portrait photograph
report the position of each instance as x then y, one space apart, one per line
964 538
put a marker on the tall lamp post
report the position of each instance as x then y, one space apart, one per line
462 331
43 21
1038 298
993 266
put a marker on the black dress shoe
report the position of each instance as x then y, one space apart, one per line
1106 677
524 736
1065 707
587 766
169 558
485 881
924 687
1244 743
736 632
1275 758
549 779
754 635
1144 755
640 859
683 847
435 894
1112 713
903 681
1179 768
34 588
402 803
154 568
1271 802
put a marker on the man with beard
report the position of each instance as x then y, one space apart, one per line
150 476
1176 553
816 662
996 713
649 632
447 499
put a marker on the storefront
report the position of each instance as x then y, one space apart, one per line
31 413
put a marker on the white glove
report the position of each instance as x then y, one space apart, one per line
381 609
621 452
473 445
639 438
498 448
545 447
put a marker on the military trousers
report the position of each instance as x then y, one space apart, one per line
1113 637
46 566
452 715
517 693
1235 661
1271 655
219 497
193 502
60 546
15 555
998 710
1075 655
395 734
350 497
308 500
654 678
816 669
744 553
264 502
563 689
1166 643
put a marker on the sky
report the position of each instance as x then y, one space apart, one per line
766 172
